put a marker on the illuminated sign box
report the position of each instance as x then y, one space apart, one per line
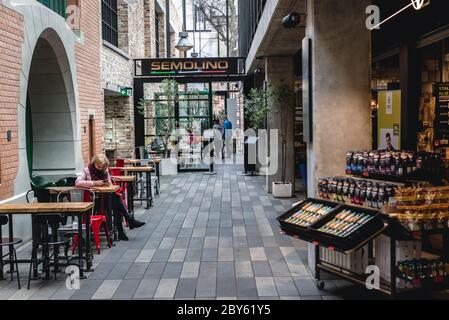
189 67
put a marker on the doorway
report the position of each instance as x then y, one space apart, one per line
50 114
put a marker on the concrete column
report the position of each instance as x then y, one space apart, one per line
280 70
341 60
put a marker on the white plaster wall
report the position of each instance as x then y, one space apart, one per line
39 21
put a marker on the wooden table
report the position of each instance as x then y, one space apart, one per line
108 191
129 181
156 161
147 170
67 208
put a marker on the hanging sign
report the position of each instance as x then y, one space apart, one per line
126 92
389 120
442 113
189 67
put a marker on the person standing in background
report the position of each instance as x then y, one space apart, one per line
218 135
227 136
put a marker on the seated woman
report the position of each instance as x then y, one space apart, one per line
97 175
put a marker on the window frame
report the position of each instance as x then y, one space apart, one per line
109 21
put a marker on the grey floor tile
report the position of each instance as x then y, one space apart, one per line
286 286
225 270
106 290
190 270
172 270
226 287
119 272
306 287
87 290
258 254
186 288
261 269
136 271
178 255
161 255
145 255
102 271
154 270
246 287
126 289
146 289
206 288
166 289
266 287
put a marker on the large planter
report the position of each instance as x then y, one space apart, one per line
169 167
282 190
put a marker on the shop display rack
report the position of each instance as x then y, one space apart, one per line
303 232
380 224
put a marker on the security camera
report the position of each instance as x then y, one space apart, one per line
291 20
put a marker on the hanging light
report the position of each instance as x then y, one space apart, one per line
184 44
417 4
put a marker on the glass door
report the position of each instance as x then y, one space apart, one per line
176 123
195 116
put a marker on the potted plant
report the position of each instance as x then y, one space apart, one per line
167 128
282 103
255 113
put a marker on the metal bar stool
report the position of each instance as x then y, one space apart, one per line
42 224
11 243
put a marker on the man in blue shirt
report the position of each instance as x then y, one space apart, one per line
227 136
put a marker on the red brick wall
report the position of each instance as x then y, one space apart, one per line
88 59
11 39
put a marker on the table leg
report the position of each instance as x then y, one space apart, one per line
149 194
112 222
80 243
88 245
1 258
34 252
11 247
158 174
130 195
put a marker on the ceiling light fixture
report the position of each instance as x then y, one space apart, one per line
184 44
417 5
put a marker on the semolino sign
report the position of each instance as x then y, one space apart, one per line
187 67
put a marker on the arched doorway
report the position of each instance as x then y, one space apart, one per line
50 114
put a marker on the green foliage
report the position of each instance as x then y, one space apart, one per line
280 100
166 128
256 108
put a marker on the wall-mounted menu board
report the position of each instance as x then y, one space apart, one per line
442 113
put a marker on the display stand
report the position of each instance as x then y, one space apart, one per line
210 136
394 231
250 168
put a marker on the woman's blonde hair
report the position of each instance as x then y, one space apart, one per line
102 160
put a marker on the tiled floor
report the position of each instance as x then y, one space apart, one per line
207 237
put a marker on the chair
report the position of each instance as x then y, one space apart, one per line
39 185
155 183
46 235
97 221
7 242
66 182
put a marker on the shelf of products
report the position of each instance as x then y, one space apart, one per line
396 166
359 192
422 209
423 272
